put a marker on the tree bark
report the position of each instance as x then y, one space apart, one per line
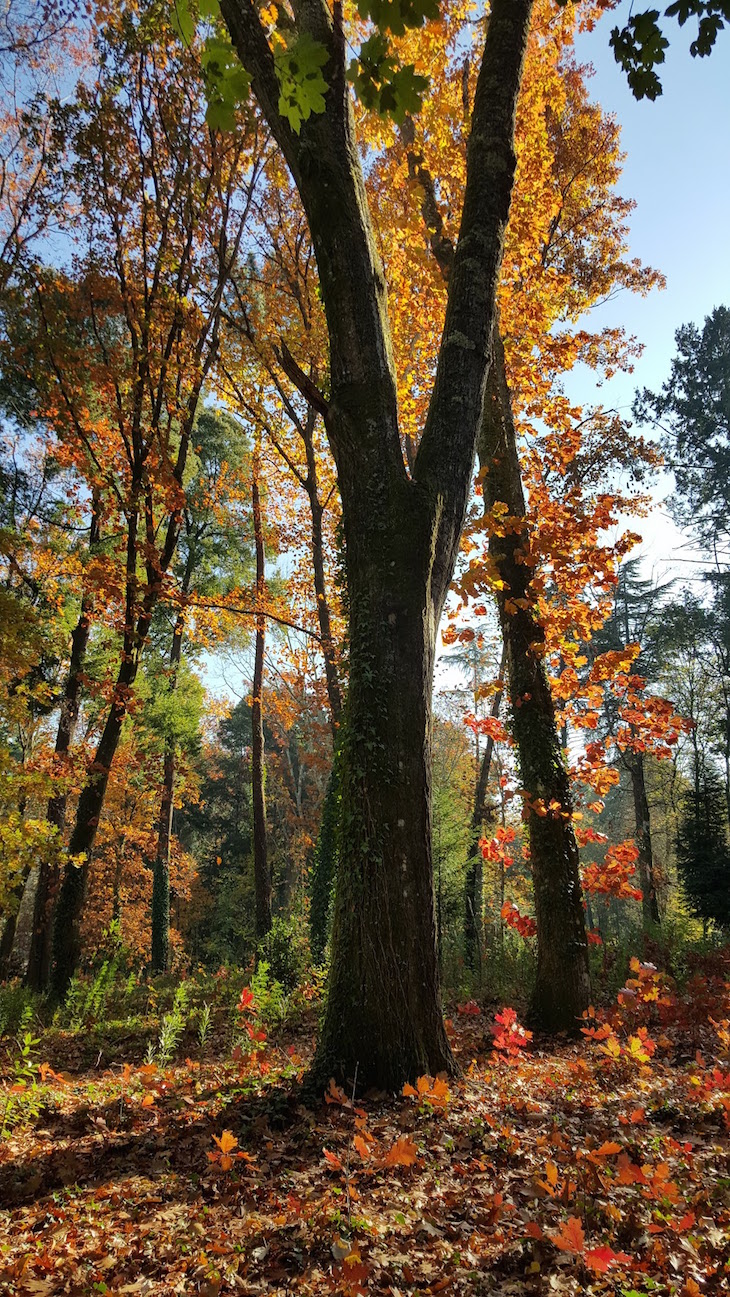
161 867
474 869
262 875
138 618
650 900
334 693
39 961
562 988
6 944
383 1017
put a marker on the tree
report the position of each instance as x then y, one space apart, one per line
127 335
703 855
693 412
211 563
636 612
383 1013
39 564
262 875
566 250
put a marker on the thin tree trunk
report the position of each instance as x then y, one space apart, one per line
650 900
39 961
474 869
6 944
562 989
262 876
67 923
332 677
66 928
161 868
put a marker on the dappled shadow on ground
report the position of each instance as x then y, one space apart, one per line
574 1169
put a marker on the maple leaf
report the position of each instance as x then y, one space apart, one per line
334 1094
361 1147
333 1159
601 1259
570 1237
403 1153
246 1002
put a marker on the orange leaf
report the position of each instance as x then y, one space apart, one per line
361 1147
608 1149
570 1237
227 1141
333 1159
403 1153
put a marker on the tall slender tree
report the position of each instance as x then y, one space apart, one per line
127 334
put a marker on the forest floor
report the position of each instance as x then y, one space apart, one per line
598 1167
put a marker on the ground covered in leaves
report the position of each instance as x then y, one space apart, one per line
596 1167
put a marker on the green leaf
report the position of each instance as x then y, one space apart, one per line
183 21
301 83
220 115
381 85
408 90
396 15
227 82
210 9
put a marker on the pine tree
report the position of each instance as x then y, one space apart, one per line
703 855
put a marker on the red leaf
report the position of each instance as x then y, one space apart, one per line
600 1258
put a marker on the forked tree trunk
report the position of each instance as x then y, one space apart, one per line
262 875
39 960
562 988
647 878
383 1016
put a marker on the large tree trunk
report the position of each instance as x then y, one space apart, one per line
562 989
39 961
650 901
383 1016
262 875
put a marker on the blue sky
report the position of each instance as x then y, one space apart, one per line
677 170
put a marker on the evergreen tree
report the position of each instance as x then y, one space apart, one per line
703 856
